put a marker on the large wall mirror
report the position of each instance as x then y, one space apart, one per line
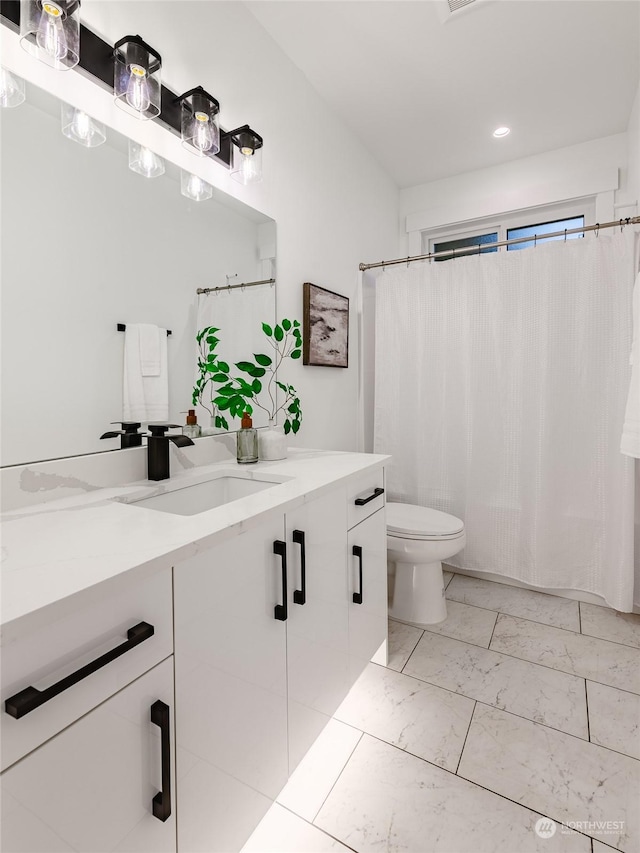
88 244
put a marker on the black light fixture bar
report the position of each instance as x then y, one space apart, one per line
96 61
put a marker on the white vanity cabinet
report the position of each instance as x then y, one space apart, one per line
92 787
231 688
268 642
318 618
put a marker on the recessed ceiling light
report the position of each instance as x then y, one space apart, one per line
501 131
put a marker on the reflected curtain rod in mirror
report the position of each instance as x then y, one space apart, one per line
98 58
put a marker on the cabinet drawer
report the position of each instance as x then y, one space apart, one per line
79 661
363 489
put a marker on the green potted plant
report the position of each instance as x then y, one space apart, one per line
238 394
211 370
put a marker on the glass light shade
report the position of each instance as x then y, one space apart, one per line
81 128
193 187
144 161
200 129
11 89
246 167
50 31
137 80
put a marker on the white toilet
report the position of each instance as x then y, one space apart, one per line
418 539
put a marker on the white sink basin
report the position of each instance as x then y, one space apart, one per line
200 497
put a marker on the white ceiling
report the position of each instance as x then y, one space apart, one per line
424 93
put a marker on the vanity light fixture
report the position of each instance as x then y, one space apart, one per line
193 187
81 128
246 155
50 31
144 161
199 122
137 83
11 89
499 132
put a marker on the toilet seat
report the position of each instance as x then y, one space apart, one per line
408 521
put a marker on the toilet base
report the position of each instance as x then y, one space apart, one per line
418 594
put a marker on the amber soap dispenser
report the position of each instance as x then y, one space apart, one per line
247 441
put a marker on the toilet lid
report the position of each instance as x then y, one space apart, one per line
420 521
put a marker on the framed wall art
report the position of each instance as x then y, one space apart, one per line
325 327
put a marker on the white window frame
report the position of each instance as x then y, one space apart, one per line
515 219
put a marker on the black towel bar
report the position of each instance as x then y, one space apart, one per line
122 327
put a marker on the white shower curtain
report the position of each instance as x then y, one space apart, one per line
500 390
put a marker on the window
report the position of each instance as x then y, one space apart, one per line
542 228
460 244
534 222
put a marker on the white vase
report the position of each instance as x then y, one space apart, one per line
272 443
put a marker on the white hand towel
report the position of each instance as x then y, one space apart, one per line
145 398
150 349
630 444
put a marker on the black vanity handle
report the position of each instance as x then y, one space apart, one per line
162 800
376 494
280 610
300 595
31 698
357 552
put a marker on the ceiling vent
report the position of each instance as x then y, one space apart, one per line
449 10
456 5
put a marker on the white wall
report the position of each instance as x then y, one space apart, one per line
633 155
595 168
333 204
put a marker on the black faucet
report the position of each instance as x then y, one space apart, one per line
129 435
158 449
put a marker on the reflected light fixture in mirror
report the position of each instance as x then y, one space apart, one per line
193 187
137 82
50 31
81 128
246 165
11 89
199 122
144 161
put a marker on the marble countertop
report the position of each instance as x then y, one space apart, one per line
56 551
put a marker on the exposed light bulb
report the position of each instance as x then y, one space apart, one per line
138 89
81 125
11 89
51 37
248 166
203 136
194 187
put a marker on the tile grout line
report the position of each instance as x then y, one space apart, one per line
514 616
475 705
580 617
586 700
335 781
477 785
323 831
515 657
401 671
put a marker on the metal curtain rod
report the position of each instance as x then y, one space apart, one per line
233 286
466 250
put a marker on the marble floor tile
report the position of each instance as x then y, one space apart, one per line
560 776
386 801
402 641
470 624
614 718
535 692
526 603
424 720
588 657
610 625
283 832
314 777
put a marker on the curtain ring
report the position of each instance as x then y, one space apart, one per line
535 240
565 235
597 228
407 261
621 226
